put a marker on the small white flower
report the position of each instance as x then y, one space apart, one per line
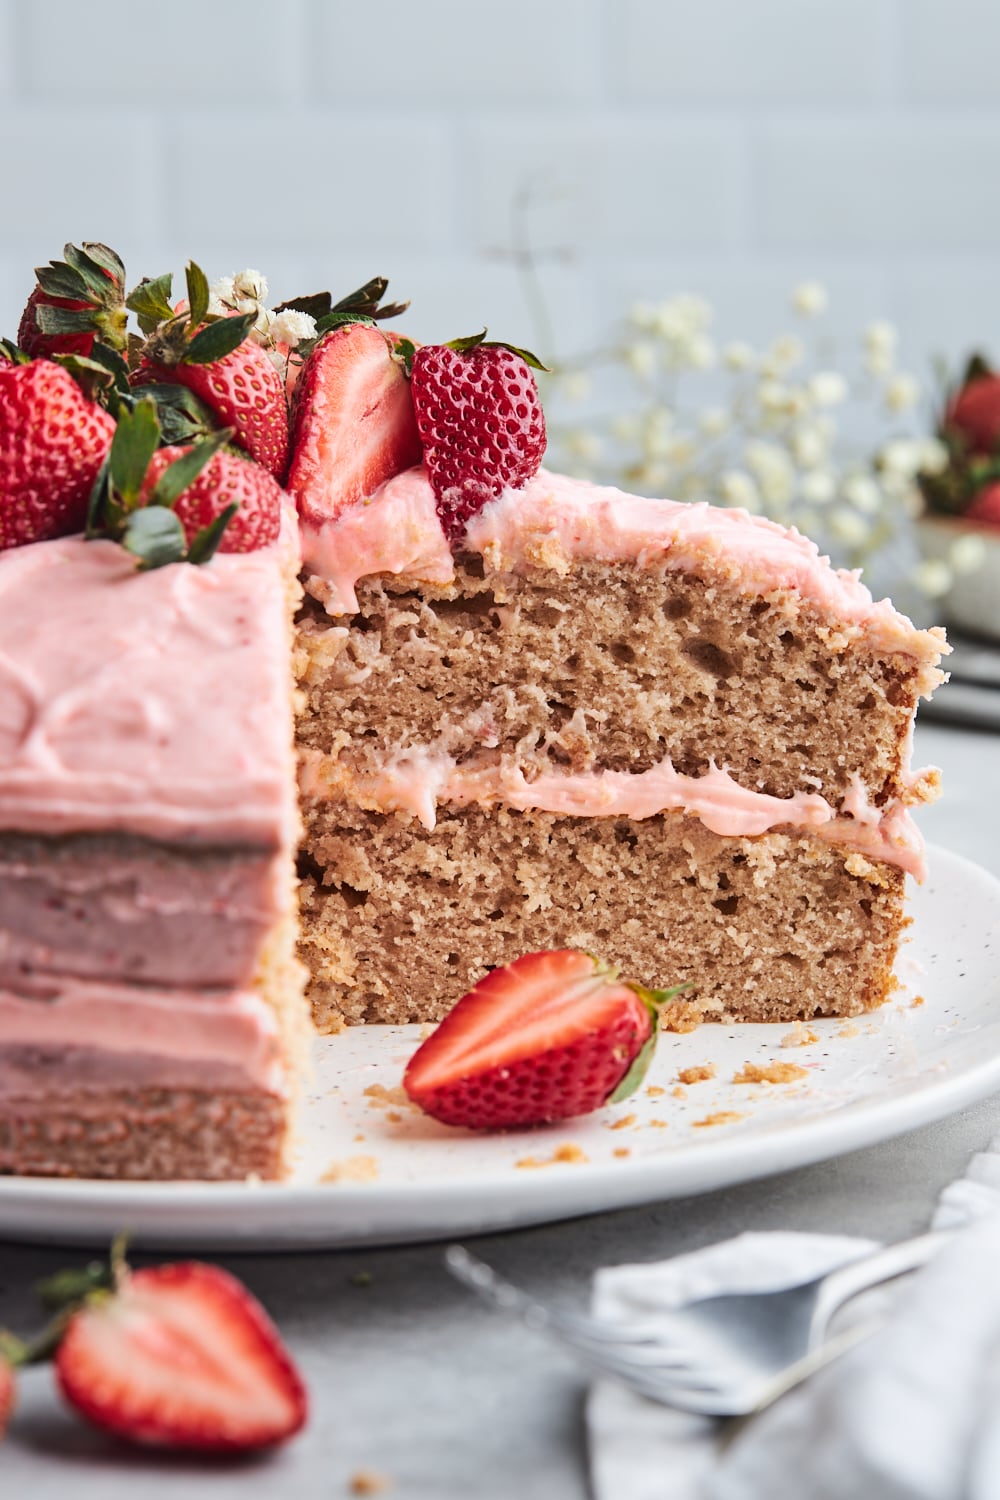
881 336
681 451
701 352
291 327
250 285
641 359
967 553
818 487
651 476
772 468
879 362
848 527
861 491
809 298
221 292
810 446
901 457
902 392
737 488
738 356
828 388
785 353
933 577
933 456
714 421
626 428
773 395
261 330
657 432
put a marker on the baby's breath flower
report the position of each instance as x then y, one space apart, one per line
738 356
701 352
848 527
967 553
250 285
785 352
828 388
772 468
861 491
881 335
902 392
810 446
714 421
933 577
221 297
261 330
901 457
657 435
681 450
772 395
738 488
933 456
291 327
809 299
818 487
641 359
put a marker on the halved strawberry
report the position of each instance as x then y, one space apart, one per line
75 302
552 1035
181 1356
353 426
53 442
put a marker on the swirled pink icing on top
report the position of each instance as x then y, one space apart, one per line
555 521
154 703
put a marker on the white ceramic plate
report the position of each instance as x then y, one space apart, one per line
392 1175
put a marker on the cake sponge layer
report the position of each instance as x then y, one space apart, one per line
400 922
611 667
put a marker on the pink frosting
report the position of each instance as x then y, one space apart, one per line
155 703
417 780
554 521
234 1029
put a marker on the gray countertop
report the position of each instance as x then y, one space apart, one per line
410 1378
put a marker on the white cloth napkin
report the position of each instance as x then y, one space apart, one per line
911 1414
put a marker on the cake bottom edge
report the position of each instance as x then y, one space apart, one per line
145 1134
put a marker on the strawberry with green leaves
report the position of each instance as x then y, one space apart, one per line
552 1035
174 1356
77 302
53 441
215 359
179 504
480 422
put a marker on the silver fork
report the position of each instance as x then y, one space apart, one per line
718 1356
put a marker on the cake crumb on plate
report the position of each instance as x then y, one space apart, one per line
568 1152
776 1072
352 1169
622 1124
800 1036
700 1073
368 1482
721 1117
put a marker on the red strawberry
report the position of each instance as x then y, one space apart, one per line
480 421
225 480
243 388
552 1035
354 426
975 413
52 444
75 302
985 508
181 1356
8 1393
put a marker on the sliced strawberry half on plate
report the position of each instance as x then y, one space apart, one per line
354 426
181 1356
552 1035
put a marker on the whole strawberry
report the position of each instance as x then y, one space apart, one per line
974 412
53 442
552 1035
181 1356
480 422
214 358
353 426
226 480
76 302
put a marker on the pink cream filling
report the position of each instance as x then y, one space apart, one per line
554 521
417 780
231 1028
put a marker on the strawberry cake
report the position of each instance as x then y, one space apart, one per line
531 714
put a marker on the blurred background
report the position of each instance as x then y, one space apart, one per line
636 188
